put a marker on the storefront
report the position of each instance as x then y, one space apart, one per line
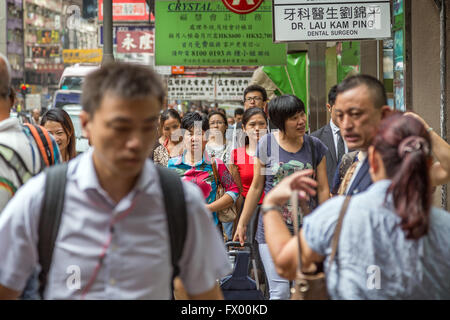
42 43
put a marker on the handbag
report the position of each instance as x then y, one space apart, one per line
225 215
314 286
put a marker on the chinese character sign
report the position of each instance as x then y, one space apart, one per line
319 20
135 41
191 88
206 33
231 88
127 10
207 88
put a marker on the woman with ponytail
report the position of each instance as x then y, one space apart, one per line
393 244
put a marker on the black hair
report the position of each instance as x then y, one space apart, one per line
255 87
62 117
190 118
238 111
125 80
332 95
214 113
376 88
250 113
169 113
283 107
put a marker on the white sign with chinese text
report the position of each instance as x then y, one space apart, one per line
231 88
191 88
318 20
213 88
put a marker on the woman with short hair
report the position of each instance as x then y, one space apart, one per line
195 165
279 154
168 145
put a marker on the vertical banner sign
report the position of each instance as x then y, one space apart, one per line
322 20
206 33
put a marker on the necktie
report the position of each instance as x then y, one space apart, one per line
340 147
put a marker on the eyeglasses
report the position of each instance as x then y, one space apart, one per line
249 99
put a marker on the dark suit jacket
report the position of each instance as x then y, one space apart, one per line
325 134
362 180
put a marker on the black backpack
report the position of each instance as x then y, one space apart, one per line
53 204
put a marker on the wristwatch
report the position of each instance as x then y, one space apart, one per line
265 209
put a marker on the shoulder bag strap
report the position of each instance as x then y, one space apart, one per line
175 205
337 231
215 172
50 218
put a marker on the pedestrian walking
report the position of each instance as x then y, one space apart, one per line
392 245
196 165
280 154
127 227
331 136
169 144
60 126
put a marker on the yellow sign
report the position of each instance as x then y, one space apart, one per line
71 56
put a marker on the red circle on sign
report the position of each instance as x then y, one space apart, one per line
242 6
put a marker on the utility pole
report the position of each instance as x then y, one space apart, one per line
108 55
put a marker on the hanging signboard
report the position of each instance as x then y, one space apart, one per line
134 41
193 88
323 20
206 33
213 88
231 88
72 56
121 28
127 10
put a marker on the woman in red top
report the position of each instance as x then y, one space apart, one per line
254 124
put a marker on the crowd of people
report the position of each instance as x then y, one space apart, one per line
116 223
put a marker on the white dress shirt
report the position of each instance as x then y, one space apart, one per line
336 130
137 262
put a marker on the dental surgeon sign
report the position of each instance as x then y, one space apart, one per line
330 20
242 6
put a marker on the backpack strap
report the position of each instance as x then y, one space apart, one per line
50 218
175 206
44 143
14 161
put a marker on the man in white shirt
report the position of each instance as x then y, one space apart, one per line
113 240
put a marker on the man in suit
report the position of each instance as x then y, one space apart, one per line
361 104
330 135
